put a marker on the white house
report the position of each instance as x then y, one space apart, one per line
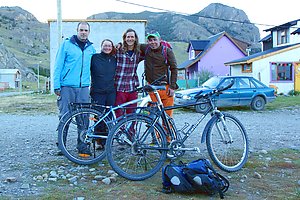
100 29
278 65
10 78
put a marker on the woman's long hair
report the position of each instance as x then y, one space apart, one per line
136 47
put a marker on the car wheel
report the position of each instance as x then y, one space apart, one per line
258 103
202 108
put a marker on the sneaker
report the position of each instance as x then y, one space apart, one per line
84 152
84 155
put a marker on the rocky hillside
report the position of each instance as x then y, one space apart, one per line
24 41
213 19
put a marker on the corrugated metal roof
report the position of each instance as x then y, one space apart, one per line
198 45
186 63
9 71
283 26
296 31
256 56
268 37
99 20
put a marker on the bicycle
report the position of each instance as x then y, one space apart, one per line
89 124
144 155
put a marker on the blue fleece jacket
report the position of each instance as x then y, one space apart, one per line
72 65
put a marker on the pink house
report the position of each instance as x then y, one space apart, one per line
210 55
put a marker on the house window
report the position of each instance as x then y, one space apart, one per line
192 54
281 71
282 37
247 68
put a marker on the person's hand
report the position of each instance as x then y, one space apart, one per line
170 92
119 46
57 92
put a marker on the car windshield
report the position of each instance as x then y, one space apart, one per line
212 82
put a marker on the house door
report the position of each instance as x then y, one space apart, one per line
297 76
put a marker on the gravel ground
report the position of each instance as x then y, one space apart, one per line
28 141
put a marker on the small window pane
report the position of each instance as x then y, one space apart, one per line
244 83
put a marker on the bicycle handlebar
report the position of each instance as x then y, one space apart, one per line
146 87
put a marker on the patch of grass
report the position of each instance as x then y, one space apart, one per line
29 104
46 103
284 102
179 49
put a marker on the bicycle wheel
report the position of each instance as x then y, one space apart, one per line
132 151
72 132
228 150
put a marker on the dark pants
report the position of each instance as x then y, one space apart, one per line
74 95
107 99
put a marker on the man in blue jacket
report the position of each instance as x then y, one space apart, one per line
72 74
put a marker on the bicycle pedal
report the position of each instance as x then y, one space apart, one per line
170 156
197 149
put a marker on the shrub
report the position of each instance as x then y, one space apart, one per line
203 75
294 93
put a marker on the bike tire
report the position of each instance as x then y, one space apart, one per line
71 132
130 149
228 155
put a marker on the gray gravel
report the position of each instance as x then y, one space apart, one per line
28 141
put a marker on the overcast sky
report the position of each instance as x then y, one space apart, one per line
260 12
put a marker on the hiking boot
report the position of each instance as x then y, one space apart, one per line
84 150
86 153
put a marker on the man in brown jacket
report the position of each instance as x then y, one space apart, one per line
160 60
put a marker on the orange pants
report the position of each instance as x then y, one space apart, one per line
166 100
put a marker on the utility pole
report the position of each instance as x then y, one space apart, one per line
248 49
38 76
59 22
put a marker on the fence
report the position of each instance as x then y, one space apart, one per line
4 85
186 84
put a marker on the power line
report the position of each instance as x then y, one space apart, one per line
196 15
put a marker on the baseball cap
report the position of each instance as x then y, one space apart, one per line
153 34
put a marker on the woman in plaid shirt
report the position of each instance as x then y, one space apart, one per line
126 78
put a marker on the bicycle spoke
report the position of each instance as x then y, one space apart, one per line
138 160
228 145
72 136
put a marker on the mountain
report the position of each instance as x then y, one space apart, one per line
24 41
212 20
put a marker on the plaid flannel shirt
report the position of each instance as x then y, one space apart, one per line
126 78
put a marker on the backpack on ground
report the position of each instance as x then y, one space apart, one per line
196 176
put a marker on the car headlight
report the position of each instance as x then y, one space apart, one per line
186 97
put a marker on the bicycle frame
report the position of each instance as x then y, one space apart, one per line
165 118
148 145
110 110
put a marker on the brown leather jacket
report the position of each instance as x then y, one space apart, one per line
155 65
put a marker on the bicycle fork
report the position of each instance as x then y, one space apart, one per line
225 129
